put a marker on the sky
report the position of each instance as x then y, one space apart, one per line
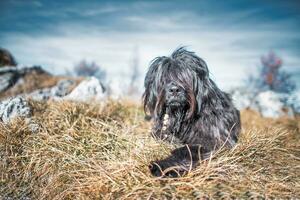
230 36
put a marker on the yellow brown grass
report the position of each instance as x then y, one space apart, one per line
88 151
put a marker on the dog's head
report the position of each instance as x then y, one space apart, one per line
176 82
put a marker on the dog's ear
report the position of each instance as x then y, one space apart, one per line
152 85
202 84
149 100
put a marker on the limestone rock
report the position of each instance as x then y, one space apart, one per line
12 108
89 89
268 103
10 76
60 90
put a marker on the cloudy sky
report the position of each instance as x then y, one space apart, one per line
229 35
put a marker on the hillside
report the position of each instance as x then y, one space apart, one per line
89 151
17 81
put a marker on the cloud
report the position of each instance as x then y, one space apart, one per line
232 50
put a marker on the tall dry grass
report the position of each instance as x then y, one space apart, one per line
88 151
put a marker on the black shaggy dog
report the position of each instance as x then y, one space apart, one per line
188 109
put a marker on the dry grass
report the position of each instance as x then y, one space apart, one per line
92 151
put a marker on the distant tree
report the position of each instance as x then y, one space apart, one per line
271 76
83 68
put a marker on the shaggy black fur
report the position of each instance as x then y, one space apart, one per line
189 109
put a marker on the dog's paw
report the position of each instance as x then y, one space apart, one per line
155 169
160 169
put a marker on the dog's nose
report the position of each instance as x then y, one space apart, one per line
174 89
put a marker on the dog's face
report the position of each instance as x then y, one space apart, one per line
175 82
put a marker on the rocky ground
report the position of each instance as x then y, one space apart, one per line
34 82
18 84
268 103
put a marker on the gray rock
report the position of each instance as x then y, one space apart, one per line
10 75
6 81
12 108
89 89
60 90
40 95
242 98
270 104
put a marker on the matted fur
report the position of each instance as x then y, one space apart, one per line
189 109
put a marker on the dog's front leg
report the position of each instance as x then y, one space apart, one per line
180 162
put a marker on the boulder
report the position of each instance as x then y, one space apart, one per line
62 88
12 108
89 89
270 104
242 98
7 78
39 95
10 76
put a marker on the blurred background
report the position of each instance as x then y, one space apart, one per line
252 45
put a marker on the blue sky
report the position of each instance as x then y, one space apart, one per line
229 35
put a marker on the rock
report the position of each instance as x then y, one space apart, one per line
7 80
88 89
242 98
6 58
62 88
270 104
9 76
12 108
39 95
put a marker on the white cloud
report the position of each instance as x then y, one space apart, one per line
230 52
